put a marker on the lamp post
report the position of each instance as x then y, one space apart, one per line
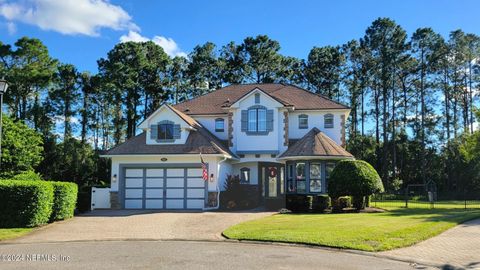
3 90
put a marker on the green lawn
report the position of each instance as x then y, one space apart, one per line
364 231
13 233
394 204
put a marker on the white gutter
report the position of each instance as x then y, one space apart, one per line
217 188
166 155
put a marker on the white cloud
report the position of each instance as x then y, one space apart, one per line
168 44
11 28
85 17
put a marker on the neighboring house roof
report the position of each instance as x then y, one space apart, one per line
215 102
315 144
199 141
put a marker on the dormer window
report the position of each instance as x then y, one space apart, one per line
303 121
328 120
165 131
219 125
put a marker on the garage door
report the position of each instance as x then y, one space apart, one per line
164 188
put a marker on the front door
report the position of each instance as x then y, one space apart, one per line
273 184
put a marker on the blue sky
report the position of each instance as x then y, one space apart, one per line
82 31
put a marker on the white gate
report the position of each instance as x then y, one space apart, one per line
100 198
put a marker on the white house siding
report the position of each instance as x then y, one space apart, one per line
166 114
315 119
253 166
244 142
209 123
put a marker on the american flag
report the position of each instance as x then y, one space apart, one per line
204 169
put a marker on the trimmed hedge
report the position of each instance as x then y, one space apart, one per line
340 203
298 203
65 199
25 203
321 203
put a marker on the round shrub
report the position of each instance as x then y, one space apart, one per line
321 203
25 203
65 199
356 178
27 176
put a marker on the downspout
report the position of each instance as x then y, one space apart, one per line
217 188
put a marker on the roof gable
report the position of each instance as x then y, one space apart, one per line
254 91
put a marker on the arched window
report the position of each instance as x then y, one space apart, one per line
303 121
328 120
245 175
219 125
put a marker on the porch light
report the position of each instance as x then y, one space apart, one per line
211 177
114 178
3 86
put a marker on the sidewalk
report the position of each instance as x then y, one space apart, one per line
457 247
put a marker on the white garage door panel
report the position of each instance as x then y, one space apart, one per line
154 204
174 204
133 204
134 173
175 172
154 193
133 193
195 193
154 172
154 182
175 182
195 182
133 182
175 193
194 172
195 204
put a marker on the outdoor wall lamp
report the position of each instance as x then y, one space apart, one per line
211 177
114 178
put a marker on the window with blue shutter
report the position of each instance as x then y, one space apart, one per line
165 131
257 120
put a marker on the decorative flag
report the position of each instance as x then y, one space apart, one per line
204 169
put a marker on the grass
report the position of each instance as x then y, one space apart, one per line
363 231
13 233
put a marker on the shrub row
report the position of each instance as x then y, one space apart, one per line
317 203
34 203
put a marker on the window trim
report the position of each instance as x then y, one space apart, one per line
242 171
218 120
328 116
300 118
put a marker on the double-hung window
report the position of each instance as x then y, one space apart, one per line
219 125
257 120
165 132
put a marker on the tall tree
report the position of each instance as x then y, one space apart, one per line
261 57
323 70
203 69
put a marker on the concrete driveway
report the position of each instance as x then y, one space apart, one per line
141 225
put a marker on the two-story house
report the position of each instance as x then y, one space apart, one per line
279 138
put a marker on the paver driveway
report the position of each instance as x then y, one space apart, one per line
137 224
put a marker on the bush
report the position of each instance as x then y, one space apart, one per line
27 176
237 195
298 203
25 203
356 178
321 203
65 200
341 202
